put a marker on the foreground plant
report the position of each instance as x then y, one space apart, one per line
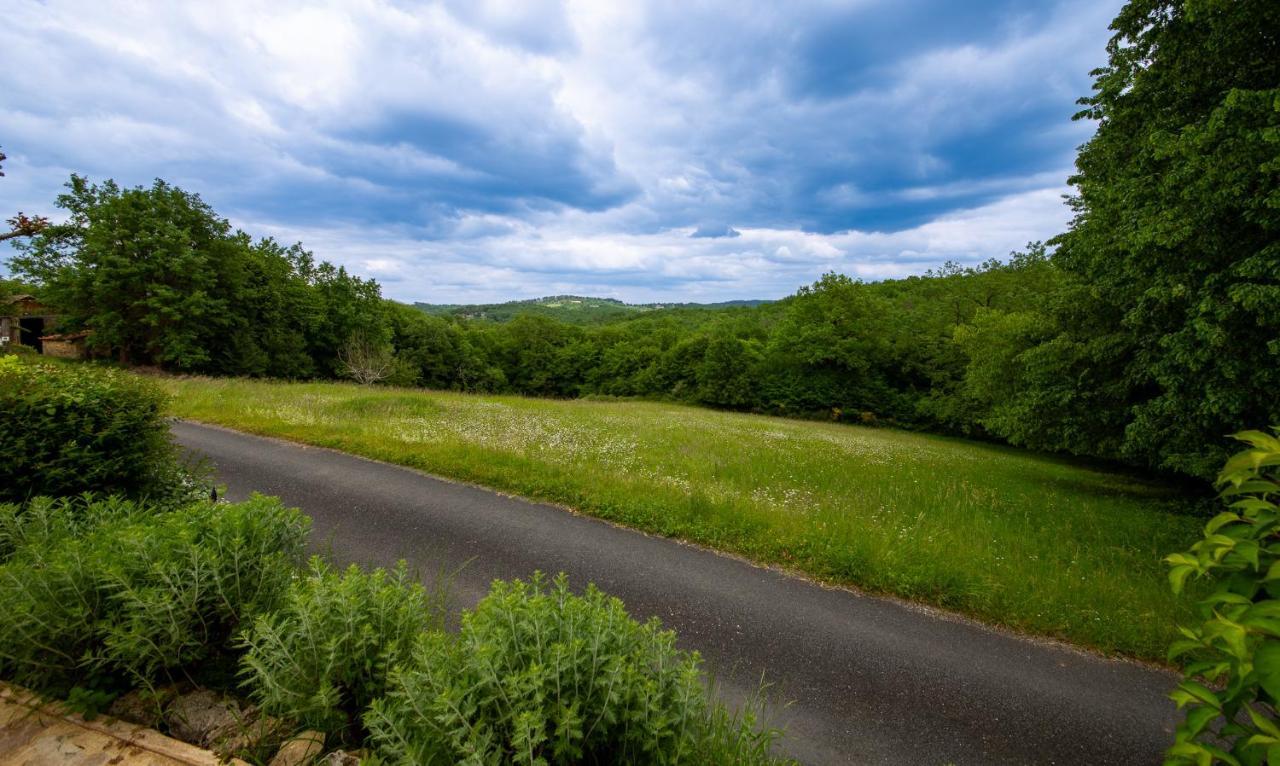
112 591
325 654
541 676
68 429
1232 683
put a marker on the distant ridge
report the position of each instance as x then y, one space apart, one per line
575 309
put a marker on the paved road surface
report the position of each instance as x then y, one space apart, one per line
872 680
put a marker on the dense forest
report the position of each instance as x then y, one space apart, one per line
838 348
1144 334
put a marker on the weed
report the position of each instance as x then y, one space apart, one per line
113 589
539 675
325 653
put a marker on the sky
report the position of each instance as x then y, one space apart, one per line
486 150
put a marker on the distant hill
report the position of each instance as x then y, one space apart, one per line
574 309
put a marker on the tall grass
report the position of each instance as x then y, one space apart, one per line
1013 538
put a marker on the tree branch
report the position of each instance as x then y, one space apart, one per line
23 225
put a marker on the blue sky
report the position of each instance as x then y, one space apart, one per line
480 150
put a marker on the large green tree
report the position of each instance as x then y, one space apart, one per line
136 265
161 279
1175 342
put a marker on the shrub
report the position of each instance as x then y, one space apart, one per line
538 675
324 655
112 588
45 522
1232 715
71 428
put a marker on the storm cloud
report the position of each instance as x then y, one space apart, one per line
649 151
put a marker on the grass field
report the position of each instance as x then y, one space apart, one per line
1012 538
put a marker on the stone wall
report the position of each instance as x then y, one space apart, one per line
64 349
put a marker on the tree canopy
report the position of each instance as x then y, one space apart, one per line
1166 336
161 279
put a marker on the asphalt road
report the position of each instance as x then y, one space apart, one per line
870 680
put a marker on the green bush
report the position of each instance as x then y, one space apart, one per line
541 676
93 589
1232 684
324 655
45 522
70 428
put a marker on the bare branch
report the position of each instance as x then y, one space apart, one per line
365 361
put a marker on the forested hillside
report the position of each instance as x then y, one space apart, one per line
838 348
574 309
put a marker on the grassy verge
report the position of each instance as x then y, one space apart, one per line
1013 538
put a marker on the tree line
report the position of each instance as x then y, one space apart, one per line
1145 333
162 280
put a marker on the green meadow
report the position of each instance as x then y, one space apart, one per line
1016 539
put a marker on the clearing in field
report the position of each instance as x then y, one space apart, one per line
1016 539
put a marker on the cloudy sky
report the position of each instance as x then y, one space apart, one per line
485 150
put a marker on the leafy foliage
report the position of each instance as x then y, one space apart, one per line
1236 649
1177 237
12 287
94 588
539 675
69 429
46 522
324 655
1037 387
160 279
837 346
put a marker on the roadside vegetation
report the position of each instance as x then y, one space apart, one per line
74 429
112 591
1017 539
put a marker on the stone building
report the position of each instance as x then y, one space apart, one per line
69 346
24 321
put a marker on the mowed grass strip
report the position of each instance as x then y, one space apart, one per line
1013 538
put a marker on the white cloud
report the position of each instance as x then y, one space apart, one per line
526 261
483 149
